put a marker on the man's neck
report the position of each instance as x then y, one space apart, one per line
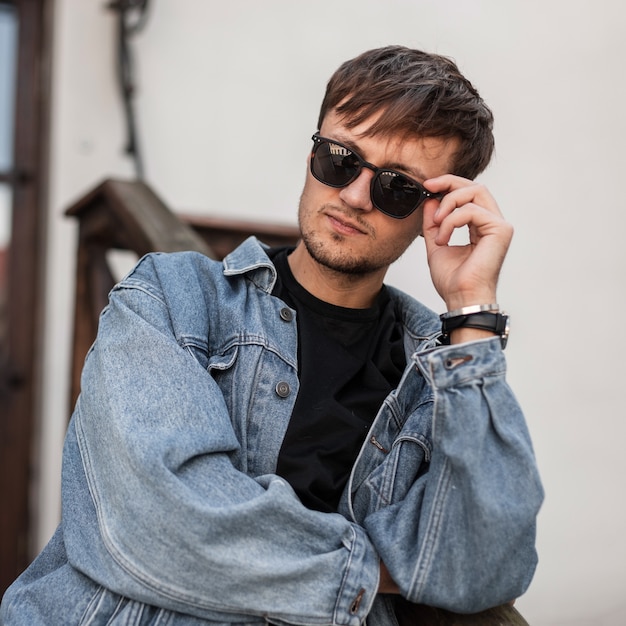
354 291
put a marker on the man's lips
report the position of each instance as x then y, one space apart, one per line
345 225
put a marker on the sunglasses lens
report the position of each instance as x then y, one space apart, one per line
333 164
395 195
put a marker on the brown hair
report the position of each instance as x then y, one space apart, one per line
419 94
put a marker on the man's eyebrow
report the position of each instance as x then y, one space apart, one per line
413 172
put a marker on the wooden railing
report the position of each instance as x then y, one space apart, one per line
123 215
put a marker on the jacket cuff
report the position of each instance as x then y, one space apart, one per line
458 364
360 584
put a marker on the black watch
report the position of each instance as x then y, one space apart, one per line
497 323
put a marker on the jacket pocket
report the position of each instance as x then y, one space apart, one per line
389 482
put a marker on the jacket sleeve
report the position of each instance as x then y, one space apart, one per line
468 524
153 508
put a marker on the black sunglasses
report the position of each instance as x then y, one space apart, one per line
392 193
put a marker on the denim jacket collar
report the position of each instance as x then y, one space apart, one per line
250 258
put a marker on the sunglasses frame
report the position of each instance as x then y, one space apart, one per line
318 141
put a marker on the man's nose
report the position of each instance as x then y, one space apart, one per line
357 194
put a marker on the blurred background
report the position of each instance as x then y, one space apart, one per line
225 99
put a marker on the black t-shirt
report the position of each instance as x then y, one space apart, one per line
348 361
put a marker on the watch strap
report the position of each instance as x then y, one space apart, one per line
497 323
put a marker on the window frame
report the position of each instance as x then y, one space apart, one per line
19 373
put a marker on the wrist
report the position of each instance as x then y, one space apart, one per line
459 301
493 307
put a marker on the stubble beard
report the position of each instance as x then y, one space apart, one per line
337 262
333 252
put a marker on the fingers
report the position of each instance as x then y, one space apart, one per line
465 203
481 223
460 192
464 274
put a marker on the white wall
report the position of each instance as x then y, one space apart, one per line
223 85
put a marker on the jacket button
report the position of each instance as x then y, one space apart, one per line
286 314
283 389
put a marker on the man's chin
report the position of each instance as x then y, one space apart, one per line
339 261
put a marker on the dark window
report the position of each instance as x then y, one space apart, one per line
8 71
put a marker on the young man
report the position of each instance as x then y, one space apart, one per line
282 438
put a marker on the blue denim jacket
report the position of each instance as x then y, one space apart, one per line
172 513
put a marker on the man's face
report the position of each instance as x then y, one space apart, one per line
341 229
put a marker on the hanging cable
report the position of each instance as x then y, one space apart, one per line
132 17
